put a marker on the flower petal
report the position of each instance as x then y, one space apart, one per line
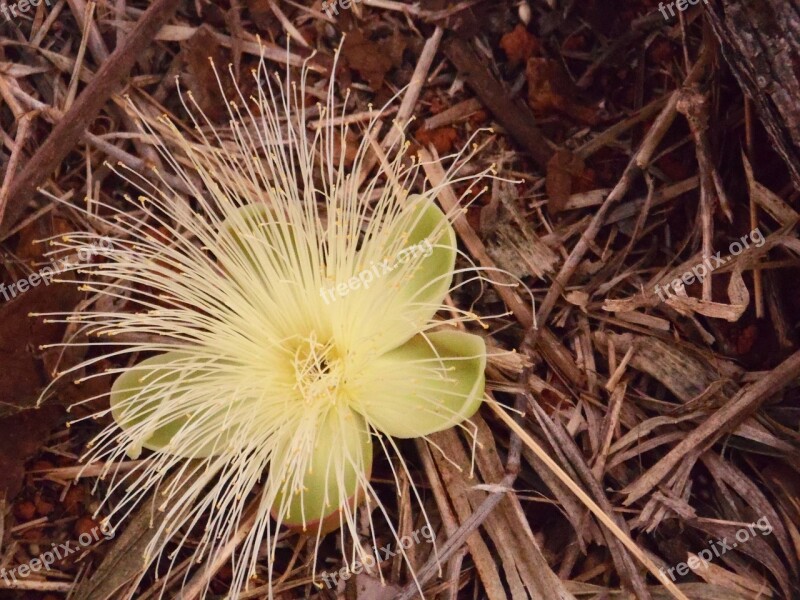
336 471
428 384
258 234
154 400
425 229
398 281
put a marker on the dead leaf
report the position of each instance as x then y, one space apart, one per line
550 89
23 435
562 169
260 13
350 150
202 81
578 298
373 59
442 138
519 45
28 247
21 336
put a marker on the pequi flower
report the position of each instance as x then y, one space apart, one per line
244 352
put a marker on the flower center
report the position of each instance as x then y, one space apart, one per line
319 371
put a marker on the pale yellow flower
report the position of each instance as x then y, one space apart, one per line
250 368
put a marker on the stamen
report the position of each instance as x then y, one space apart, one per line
319 372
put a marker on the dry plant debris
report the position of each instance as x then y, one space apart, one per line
642 429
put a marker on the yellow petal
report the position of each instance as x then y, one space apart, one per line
399 281
258 235
425 230
428 384
155 398
336 471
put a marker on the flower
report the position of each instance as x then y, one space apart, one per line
272 391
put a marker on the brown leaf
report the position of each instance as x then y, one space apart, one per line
28 248
519 45
372 59
562 168
23 434
25 510
351 143
21 336
202 81
547 84
442 138
550 89
260 13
